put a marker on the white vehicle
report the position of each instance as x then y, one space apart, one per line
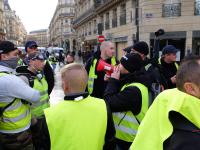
55 49
42 49
22 49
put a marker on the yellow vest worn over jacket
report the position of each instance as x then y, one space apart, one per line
156 127
42 87
16 117
126 124
93 76
77 125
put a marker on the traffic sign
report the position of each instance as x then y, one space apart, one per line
101 38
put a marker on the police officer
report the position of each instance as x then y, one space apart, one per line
173 120
96 83
80 121
127 95
36 79
15 117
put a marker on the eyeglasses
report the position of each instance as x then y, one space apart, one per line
33 47
38 57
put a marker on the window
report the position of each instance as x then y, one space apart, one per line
197 7
123 14
171 8
114 20
107 25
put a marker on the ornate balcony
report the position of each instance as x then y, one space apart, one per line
84 17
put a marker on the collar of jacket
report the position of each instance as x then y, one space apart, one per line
75 96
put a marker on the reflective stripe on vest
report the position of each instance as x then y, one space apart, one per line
177 66
86 122
93 76
16 117
42 87
156 127
126 124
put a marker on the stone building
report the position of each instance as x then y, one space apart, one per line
127 21
15 30
61 32
2 23
40 36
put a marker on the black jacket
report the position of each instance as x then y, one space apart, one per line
99 83
168 71
185 135
48 73
130 98
110 132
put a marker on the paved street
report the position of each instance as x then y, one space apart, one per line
57 93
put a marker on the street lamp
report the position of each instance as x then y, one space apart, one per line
61 34
156 46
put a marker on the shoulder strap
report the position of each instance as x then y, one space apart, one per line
2 109
29 77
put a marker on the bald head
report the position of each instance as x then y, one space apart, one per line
107 49
74 78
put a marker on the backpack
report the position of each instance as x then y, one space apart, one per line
157 85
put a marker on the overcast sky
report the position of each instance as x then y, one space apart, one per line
35 14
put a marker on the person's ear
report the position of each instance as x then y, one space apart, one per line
65 87
191 89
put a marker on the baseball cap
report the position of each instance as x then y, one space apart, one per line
141 47
36 55
132 62
30 44
6 47
169 49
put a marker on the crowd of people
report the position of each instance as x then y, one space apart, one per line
141 104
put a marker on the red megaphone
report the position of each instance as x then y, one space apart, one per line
103 66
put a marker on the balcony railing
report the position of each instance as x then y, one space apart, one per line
107 25
197 8
114 22
66 14
171 10
88 13
122 19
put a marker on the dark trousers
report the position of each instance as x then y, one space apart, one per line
39 139
16 141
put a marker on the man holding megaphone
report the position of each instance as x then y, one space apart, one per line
100 66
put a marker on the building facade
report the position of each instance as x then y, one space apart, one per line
2 21
61 32
15 30
40 36
113 19
125 22
179 18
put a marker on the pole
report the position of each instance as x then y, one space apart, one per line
137 20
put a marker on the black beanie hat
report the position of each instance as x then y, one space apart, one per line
132 62
141 47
